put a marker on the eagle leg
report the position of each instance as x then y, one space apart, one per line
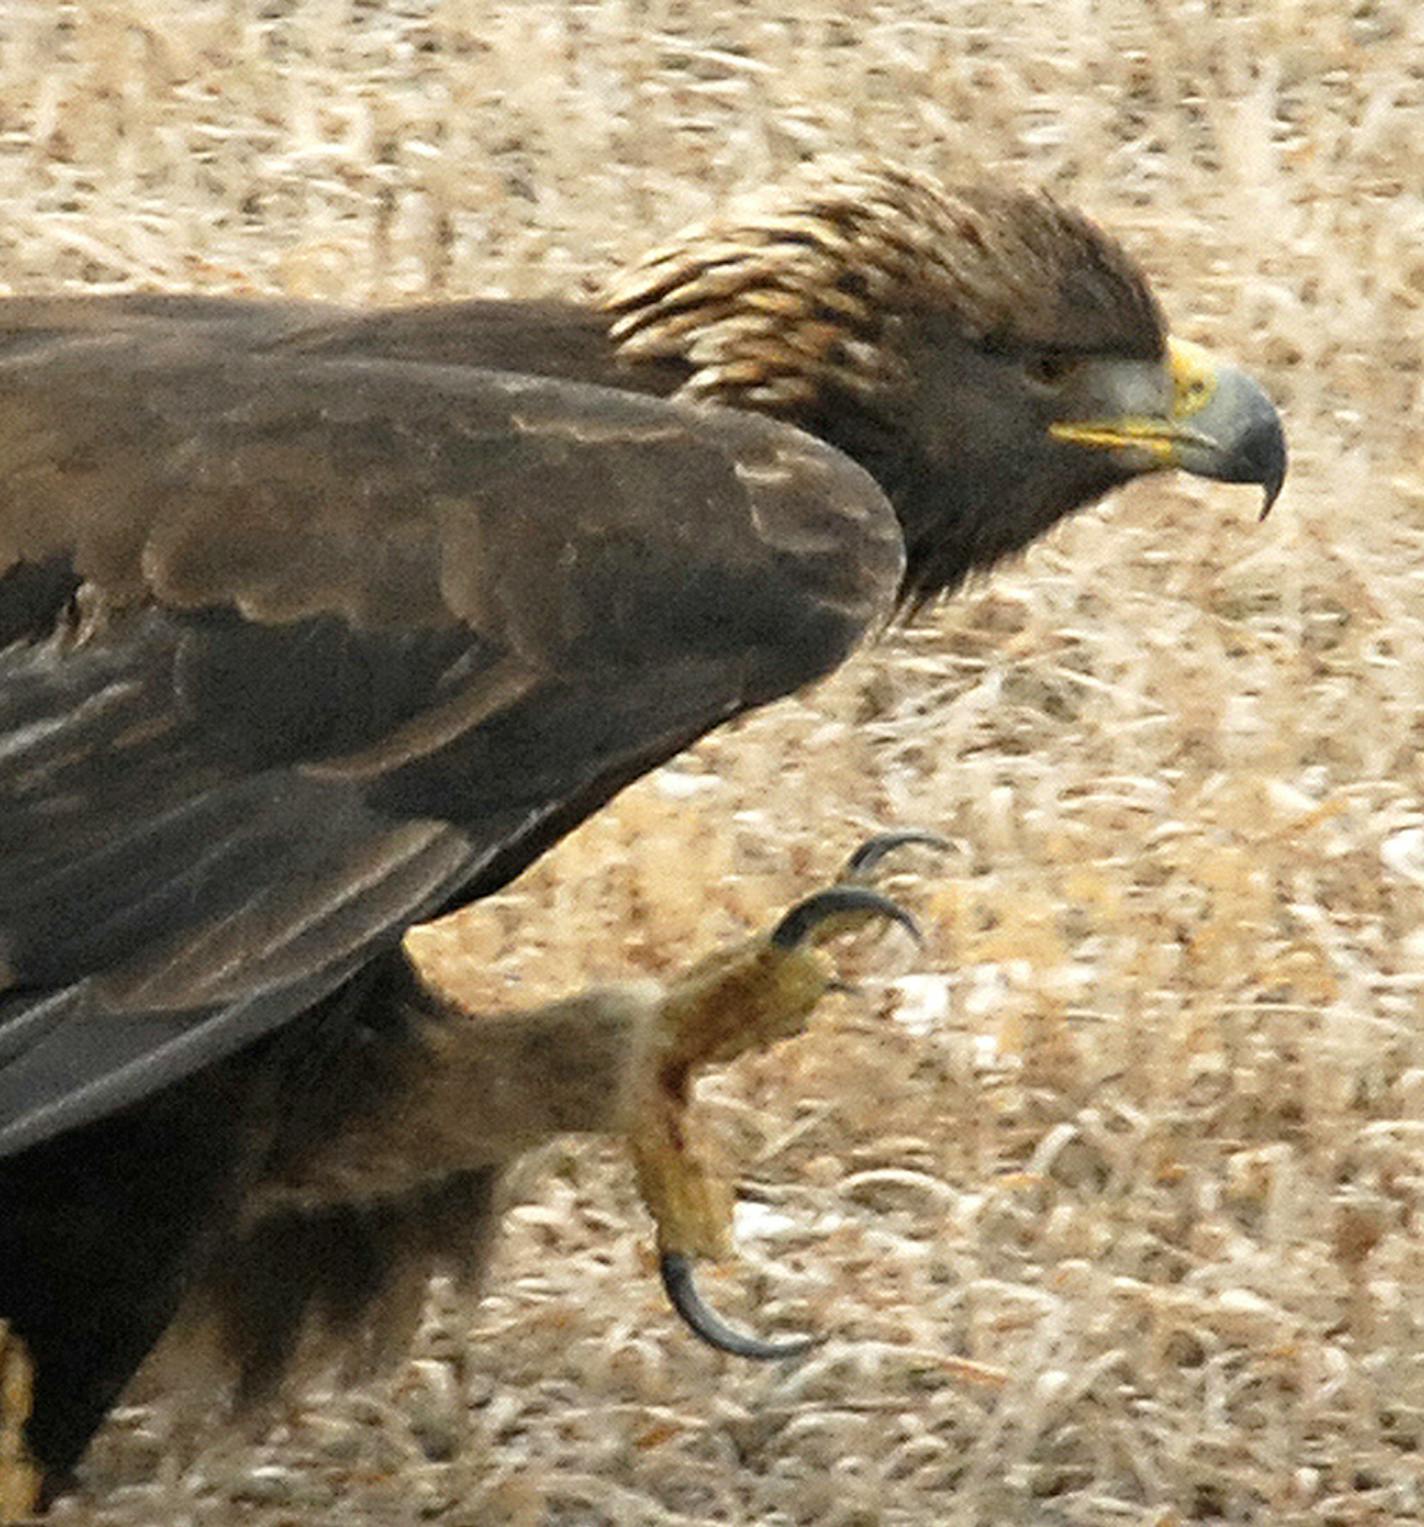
466 1091
20 1481
744 997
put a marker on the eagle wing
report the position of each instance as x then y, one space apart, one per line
298 649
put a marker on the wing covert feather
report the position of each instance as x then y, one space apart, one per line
337 639
397 493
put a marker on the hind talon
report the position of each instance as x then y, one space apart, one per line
703 1321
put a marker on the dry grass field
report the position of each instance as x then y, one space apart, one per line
1110 1202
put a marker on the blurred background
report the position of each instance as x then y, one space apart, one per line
1110 1200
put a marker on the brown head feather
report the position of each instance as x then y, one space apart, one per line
799 289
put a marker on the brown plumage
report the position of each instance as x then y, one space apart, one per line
316 623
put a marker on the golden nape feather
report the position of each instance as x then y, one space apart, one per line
798 288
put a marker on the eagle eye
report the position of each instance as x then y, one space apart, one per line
1050 368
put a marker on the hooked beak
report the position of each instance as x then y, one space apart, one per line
1217 422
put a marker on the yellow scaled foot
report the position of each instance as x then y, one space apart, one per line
19 1478
746 997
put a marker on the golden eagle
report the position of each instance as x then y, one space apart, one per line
316 623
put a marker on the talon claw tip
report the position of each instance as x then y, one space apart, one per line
806 915
875 848
676 1271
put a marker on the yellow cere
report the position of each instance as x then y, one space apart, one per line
1193 377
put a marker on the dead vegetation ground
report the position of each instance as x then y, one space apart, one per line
1144 1131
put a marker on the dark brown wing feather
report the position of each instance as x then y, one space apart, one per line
305 647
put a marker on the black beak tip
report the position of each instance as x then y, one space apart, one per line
1244 439
1264 455
1273 475
1260 456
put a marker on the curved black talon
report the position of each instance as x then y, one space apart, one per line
676 1270
873 850
802 919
